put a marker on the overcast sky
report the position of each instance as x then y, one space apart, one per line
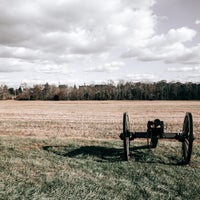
94 41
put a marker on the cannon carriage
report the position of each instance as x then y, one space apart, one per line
155 131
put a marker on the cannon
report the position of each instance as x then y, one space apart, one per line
155 132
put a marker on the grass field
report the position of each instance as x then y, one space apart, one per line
72 150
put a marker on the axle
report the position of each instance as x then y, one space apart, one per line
134 135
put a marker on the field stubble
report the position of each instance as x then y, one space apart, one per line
91 119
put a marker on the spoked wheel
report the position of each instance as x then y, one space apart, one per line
188 138
126 138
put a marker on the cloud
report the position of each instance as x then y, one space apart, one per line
186 73
107 67
169 48
183 69
173 36
141 77
51 29
11 65
197 22
51 36
54 69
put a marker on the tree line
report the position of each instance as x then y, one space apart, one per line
161 90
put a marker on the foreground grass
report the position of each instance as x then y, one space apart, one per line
33 168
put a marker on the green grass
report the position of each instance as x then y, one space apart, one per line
56 168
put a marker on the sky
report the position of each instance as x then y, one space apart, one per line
94 42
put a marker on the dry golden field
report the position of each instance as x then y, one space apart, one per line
91 119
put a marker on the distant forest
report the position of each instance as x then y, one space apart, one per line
161 90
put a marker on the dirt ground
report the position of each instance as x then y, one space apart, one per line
91 119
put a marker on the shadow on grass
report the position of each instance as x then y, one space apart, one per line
142 154
97 153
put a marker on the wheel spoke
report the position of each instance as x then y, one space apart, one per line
184 151
187 142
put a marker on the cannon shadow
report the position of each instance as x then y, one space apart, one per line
141 154
145 154
97 153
